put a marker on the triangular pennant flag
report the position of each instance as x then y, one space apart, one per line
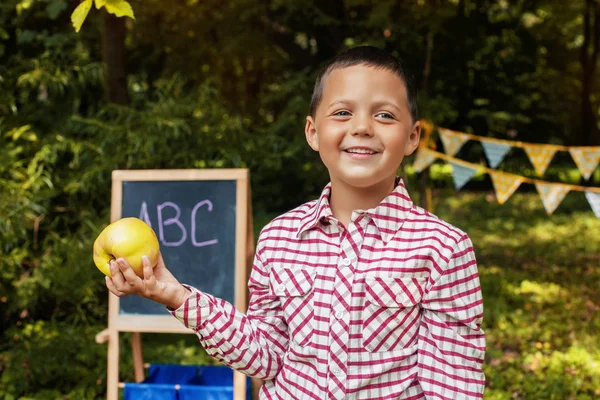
461 174
495 152
586 159
552 194
452 141
540 156
423 159
594 200
505 185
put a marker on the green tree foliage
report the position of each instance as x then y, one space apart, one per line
214 84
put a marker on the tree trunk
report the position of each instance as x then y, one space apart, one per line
113 57
590 134
427 68
423 177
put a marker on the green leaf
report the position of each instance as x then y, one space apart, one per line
80 13
16 133
55 8
24 5
120 8
26 36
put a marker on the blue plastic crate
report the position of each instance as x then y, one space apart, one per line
185 382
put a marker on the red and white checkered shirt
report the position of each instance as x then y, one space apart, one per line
388 308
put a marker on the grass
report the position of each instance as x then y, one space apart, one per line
540 278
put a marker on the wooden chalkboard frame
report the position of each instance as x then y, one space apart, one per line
136 324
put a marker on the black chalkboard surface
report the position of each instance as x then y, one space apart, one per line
195 225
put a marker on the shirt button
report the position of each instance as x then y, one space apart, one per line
202 302
336 371
281 288
346 261
399 298
339 314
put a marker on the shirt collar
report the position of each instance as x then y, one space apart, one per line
388 216
318 211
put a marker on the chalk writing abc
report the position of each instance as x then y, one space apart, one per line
202 206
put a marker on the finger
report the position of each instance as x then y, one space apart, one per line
111 287
118 279
160 260
149 277
117 276
128 272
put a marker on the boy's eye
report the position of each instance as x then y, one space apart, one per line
342 113
385 115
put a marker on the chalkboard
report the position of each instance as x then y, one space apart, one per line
195 225
203 220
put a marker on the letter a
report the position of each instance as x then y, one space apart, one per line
144 214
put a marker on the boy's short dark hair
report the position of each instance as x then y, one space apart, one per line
373 57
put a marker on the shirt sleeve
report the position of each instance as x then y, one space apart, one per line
252 343
451 346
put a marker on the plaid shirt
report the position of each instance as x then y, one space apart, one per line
388 308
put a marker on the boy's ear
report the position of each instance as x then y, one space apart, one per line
310 131
413 139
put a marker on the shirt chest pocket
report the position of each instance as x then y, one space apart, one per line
295 290
391 314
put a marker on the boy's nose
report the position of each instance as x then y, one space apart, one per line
362 127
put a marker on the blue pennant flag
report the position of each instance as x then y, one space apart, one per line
461 175
495 152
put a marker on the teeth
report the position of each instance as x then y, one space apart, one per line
360 151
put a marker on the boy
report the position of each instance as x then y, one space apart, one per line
359 294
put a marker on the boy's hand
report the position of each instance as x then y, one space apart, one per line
158 284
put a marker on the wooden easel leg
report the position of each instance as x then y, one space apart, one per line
429 200
138 360
112 379
239 386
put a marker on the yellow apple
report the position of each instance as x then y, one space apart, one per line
130 238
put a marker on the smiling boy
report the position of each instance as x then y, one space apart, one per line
359 294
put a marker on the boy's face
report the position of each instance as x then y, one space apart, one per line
363 128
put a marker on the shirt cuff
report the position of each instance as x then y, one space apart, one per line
195 310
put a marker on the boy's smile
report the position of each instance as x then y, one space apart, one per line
361 152
363 128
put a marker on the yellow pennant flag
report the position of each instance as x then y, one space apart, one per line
505 185
552 194
423 160
540 156
452 141
587 159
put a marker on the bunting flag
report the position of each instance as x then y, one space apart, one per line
494 152
452 141
423 160
551 195
505 185
594 200
586 159
540 156
461 174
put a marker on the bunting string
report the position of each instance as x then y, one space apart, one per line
452 160
586 158
505 184
511 143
